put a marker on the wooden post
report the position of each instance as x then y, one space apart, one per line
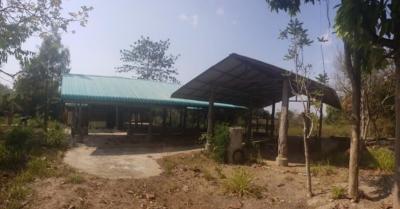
273 120
210 118
282 158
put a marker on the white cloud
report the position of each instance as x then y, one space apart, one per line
193 20
234 22
220 11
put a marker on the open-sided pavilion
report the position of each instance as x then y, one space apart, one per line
137 106
244 81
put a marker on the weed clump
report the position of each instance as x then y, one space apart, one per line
379 158
240 183
338 192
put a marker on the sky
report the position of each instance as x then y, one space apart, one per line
202 32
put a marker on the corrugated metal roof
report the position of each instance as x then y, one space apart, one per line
105 89
244 81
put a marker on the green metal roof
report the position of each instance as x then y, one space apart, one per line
78 88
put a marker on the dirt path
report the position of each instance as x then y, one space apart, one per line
118 162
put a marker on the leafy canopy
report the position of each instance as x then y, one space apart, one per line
20 19
149 60
41 76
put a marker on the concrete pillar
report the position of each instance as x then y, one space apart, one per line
235 143
210 118
282 158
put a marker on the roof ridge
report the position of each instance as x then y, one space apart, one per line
120 77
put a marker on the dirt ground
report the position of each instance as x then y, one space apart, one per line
191 180
114 157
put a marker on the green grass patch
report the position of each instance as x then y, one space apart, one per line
379 158
241 183
338 192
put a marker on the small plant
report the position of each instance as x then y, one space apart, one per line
75 179
239 183
338 192
219 142
55 137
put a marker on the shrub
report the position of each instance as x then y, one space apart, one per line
219 142
379 158
55 136
239 183
338 192
19 138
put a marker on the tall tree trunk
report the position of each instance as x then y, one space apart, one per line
354 74
306 131
396 191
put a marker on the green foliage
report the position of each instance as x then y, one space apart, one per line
38 83
338 192
298 38
14 152
22 19
239 183
56 137
219 142
379 158
18 138
149 60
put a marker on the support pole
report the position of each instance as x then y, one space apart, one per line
282 158
273 120
210 118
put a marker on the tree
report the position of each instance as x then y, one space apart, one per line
149 60
41 76
20 19
298 41
377 26
354 62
